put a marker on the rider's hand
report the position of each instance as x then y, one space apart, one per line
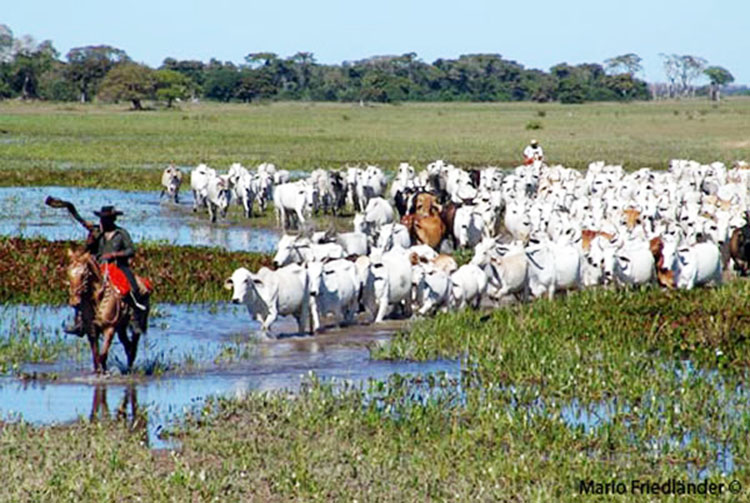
108 256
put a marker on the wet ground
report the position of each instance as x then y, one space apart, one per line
23 213
198 351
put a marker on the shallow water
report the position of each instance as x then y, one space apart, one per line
23 213
208 350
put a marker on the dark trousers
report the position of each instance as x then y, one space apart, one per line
131 279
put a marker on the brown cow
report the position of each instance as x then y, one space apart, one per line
425 204
664 276
425 229
632 218
587 236
443 262
739 250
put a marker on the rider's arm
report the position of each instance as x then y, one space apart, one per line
126 248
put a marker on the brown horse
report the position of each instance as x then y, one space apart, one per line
103 310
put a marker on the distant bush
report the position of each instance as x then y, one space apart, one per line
534 125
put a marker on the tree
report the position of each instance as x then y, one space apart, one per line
30 61
254 84
6 44
88 65
681 71
192 69
128 82
256 59
221 83
171 85
719 77
629 64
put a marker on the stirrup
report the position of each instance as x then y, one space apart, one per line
136 303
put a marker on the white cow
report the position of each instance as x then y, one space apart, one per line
552 267
506 268
468 226
300 249
371 184
469 284
334 289
218 196
269 294
377 213
698 265
243 187
199 177
393 234
431 286
390 282
171 179
292 200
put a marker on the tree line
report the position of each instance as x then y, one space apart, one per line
31 70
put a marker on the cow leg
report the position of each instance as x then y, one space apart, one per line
161 195
382 310
212 211
269 319
315 318
177 197
195 201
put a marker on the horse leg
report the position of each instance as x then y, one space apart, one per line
94 343
108 333
127 344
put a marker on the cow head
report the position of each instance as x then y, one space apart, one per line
241 283
291 250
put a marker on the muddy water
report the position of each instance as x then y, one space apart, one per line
23 213
206 350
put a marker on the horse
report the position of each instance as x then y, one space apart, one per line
103 309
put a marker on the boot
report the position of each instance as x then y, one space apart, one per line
75 326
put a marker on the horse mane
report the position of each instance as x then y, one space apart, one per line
83 256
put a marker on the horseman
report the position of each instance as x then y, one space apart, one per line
111 244
533 152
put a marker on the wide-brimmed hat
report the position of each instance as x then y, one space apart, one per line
534 141
107 211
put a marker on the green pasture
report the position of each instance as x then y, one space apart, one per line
98 145
600 385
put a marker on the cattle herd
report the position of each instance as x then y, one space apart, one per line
534 230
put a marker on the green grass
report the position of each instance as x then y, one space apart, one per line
24 342
499 433
95 145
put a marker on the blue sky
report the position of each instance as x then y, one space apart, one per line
537 34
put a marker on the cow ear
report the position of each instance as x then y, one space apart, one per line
229 284
623 258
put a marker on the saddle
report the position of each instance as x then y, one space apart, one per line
121 283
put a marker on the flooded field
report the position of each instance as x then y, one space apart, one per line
23 213
196 351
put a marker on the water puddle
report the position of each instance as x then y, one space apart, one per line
206 350
23 213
